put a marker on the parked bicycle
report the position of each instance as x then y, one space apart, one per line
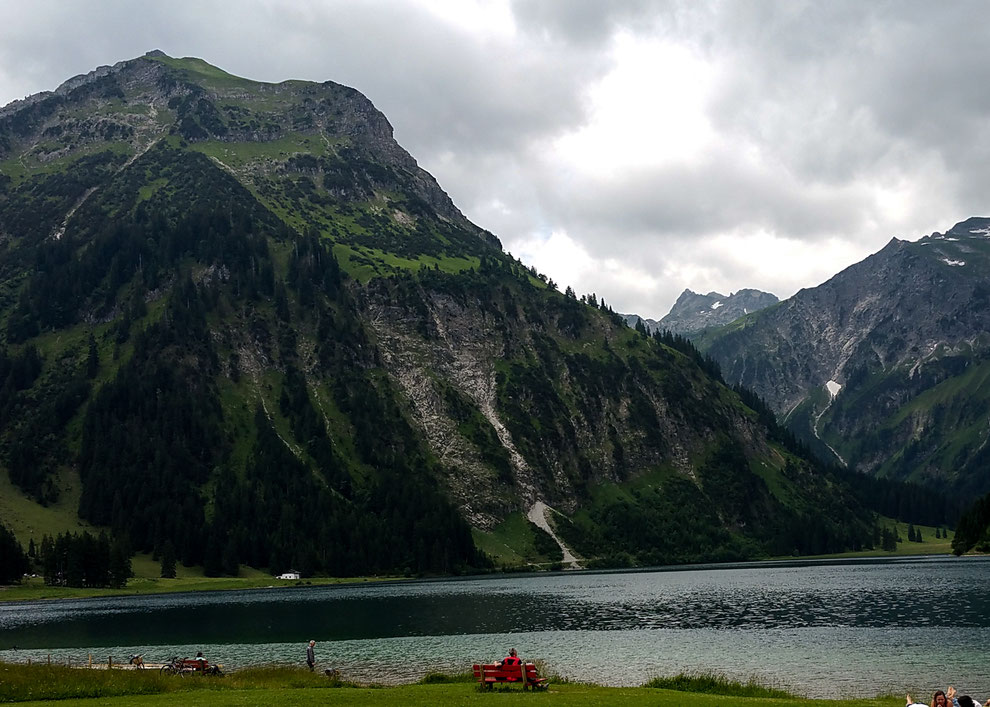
188 666
175 666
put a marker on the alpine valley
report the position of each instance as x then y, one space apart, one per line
237 319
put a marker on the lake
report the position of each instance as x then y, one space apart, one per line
819 628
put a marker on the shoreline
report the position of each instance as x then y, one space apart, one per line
37 591
34 590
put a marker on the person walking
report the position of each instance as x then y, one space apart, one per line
311 655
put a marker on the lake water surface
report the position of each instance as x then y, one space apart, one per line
821 629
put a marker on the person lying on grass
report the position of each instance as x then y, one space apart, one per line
943 699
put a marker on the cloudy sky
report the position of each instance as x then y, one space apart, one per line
628 148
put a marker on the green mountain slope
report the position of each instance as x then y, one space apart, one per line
238 319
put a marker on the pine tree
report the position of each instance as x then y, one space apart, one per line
212 559
49 562
120 565
13 561
92 358
98 562
281 302
168 560
75 560
889 540
228 559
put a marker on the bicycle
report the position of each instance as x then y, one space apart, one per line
175 667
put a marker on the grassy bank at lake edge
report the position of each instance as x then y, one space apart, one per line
21 684
34 588
462 695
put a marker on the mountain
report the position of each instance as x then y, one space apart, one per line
651 325
237 319
693 313
887 363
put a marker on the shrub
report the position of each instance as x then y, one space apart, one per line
713 683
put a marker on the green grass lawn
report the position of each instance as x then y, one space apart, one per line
37 684
433 695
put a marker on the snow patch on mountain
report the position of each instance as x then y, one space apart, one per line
833 390
947 261
716 305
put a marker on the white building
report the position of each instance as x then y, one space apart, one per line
291 574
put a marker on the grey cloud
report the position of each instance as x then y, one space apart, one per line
842 83
814 101
709 198
586 22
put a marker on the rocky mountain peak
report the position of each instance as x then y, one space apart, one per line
323 134
693 312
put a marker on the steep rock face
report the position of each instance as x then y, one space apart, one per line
883 332
565 420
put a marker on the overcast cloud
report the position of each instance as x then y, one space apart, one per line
632 149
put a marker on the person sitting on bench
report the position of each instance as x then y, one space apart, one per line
511 661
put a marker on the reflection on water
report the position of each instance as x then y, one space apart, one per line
821 629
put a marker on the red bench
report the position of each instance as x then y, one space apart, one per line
524 674
200 666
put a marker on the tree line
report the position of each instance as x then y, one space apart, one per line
84 560
973 530
14 561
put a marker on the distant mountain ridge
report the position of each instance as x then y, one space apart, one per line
693 312
887 363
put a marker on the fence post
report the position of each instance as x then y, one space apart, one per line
91 660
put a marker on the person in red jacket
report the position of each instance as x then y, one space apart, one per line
511 661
